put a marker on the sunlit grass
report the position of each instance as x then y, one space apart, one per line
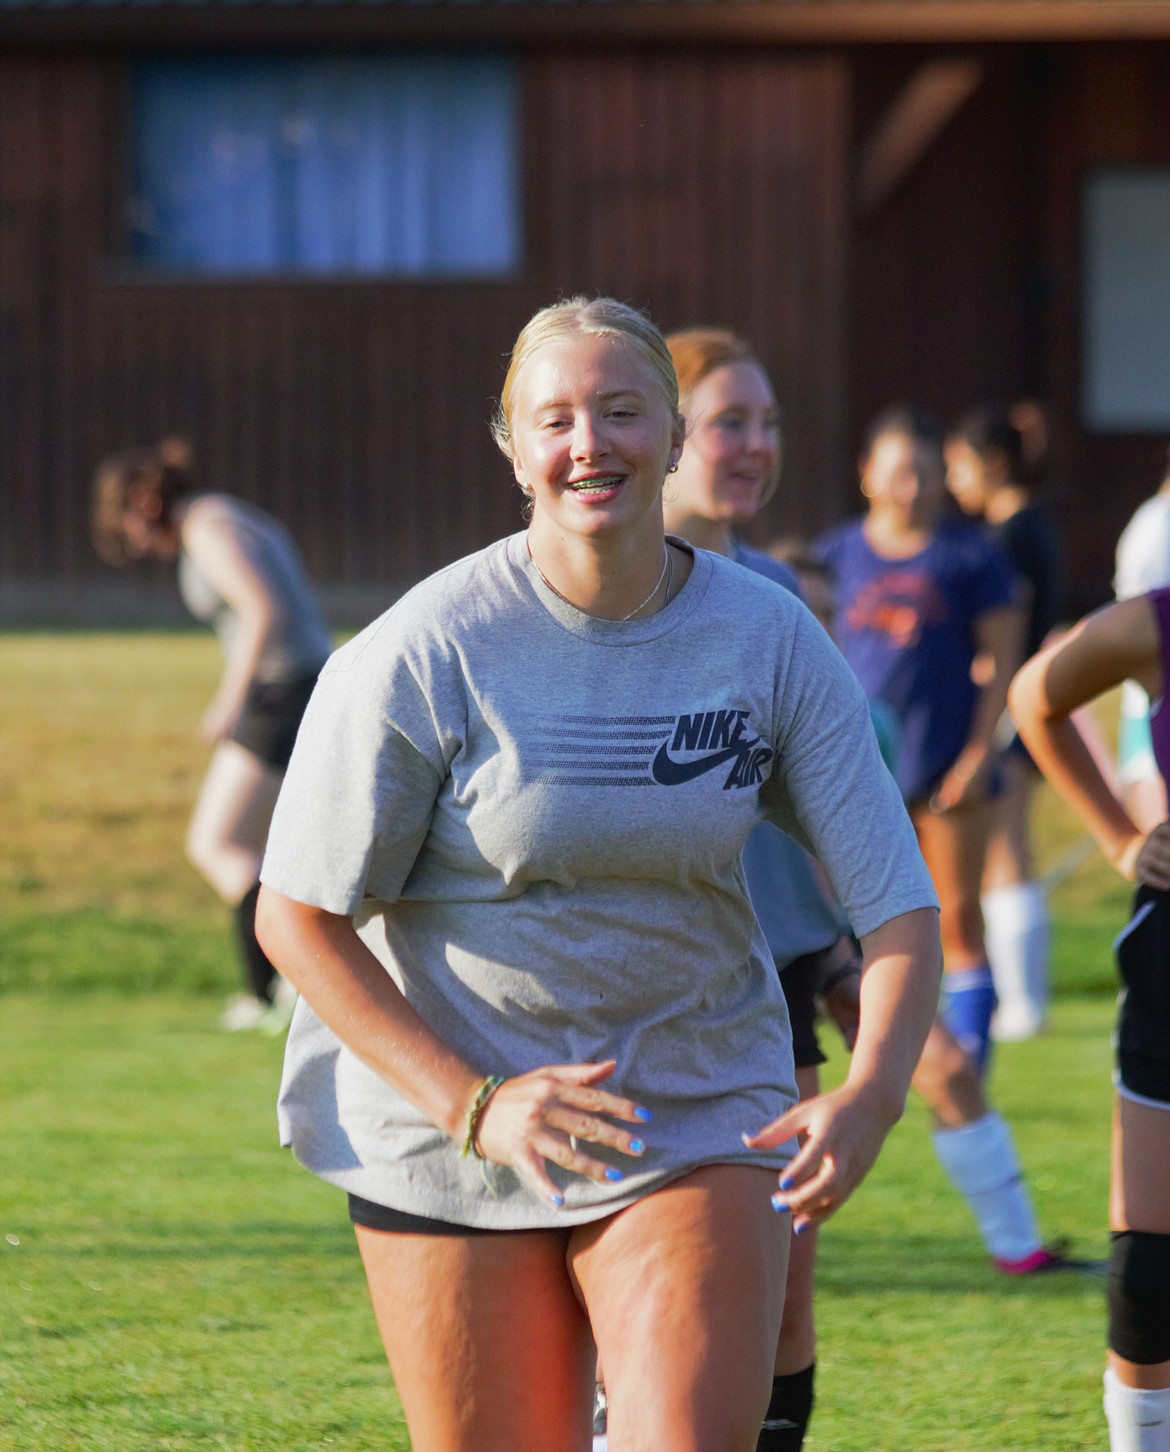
171 1280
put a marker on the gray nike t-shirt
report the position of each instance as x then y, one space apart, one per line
535 818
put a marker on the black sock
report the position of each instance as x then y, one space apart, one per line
788 1412
259 971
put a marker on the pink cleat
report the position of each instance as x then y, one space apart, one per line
1047 1260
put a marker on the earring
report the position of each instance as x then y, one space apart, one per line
672 467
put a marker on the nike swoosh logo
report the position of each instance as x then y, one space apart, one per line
668 772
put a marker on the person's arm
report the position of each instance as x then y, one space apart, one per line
214 548
845 1128
1118 643
999 636
528 1119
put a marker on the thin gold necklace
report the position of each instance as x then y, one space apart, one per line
667 575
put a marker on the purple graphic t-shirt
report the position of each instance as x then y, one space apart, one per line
1159 715
907 627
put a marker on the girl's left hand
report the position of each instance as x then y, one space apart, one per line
842 1132
1152 863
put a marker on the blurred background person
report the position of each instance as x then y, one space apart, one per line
986 474
240 573
922 596
729 469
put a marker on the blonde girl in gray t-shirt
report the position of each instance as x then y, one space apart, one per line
504 872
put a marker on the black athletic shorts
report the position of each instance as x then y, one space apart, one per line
270 719
1143 1019
801 981
381 1217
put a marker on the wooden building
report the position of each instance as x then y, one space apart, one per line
893 198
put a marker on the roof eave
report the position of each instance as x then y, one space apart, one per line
520 23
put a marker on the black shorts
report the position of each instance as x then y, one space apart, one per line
993 791
801 982
381 1217
1143 1019
270 719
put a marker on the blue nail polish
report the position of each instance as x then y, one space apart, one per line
612 1174
787 1183
558 1201
779 1204
802 1228
645 1115
636 1146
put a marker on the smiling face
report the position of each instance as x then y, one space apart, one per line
732 451
904 481
592 435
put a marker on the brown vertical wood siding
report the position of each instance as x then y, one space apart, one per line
1107 105
968 283
710 185
944 272
709 188
53 205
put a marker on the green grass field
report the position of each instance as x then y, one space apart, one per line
169 1279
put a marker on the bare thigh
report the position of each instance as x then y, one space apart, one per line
1009 847
1139 1199
229 826
1139 1194
948 1081
685 1290
954 845
487 1341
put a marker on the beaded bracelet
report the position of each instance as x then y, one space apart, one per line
475 1112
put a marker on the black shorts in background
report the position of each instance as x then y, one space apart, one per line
801 981
270 719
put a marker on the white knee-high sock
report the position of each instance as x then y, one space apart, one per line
1016 929
980 1161
1139 1420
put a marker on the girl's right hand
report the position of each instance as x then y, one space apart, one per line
1151 863
543 1117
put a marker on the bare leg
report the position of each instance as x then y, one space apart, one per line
1015 910
975 1148
229 827
487 1342
1139 1199
953 844
796 1347
946 1079
1009 843
685 1290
